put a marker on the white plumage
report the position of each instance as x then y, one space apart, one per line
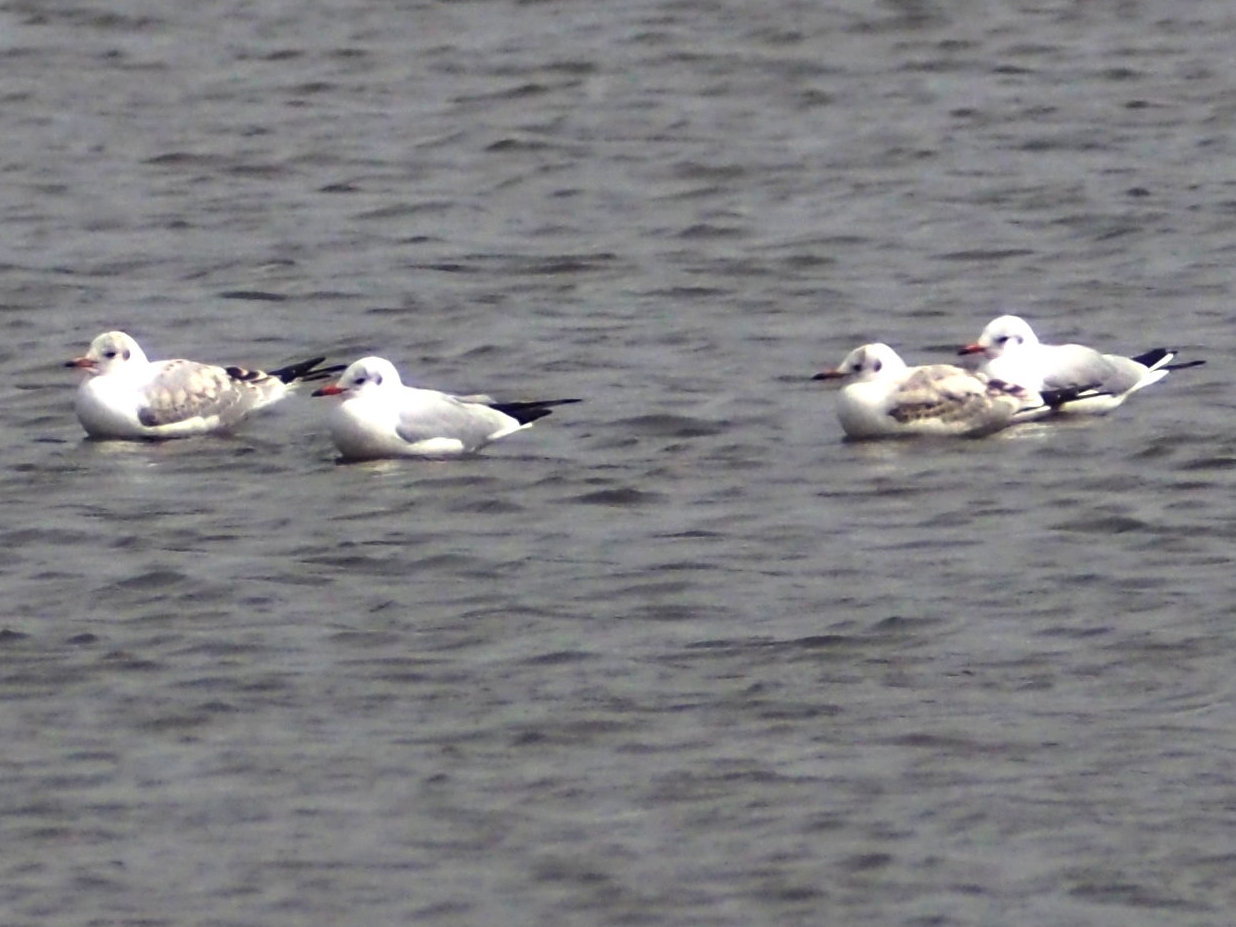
126 395
378 416
1010 351
882 397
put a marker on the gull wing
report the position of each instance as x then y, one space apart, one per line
430 415
950 396
184 390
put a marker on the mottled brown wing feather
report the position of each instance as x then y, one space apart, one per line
186 390
942 393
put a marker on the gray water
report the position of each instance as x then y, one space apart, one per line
678 655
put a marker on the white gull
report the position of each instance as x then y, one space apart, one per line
128 396
378 416
882 397
1100 382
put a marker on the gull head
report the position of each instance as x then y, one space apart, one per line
1006 333
110 352
364 377
869 362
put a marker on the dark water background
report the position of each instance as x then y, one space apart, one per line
677 655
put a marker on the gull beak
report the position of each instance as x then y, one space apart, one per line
334 389
83 363
971 349
828 375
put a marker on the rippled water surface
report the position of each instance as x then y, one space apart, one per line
678 655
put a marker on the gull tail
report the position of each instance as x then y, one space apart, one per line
531 410
1161 359
302 372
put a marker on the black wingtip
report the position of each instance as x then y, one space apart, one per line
306 371
1055 398
531 410
1004 386
1153 356
1160 359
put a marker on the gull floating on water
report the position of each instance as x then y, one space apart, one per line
125 395
1013 353
882 397
381 417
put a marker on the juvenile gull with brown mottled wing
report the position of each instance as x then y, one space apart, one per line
128 396
882 397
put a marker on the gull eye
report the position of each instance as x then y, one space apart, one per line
109 354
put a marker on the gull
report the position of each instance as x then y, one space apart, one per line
127 396
378 416
882 397
1100 382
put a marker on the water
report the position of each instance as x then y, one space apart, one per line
678 655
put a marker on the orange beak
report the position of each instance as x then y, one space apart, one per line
334 389
972 349
83 363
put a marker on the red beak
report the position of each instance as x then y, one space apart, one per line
84 363
828 375
972 349
333 389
